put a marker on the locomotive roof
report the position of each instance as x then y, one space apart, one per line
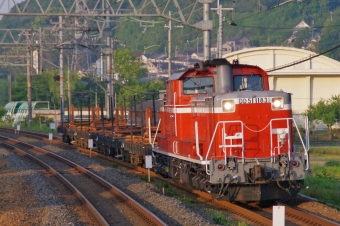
176 76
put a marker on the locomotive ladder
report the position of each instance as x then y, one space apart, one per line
225 139
281 136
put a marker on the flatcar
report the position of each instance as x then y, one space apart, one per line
223 131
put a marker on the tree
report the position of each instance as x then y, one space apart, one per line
44 88
326 111
130 72
2 112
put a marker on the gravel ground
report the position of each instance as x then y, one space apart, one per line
54 209
28 197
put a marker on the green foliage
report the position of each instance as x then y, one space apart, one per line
39 120
44 88
130 72
162 185
144 178
115 165
334 163
2 112
218 218
8 119
170 192
322 189
326 111
3 92
323 184
187 200
301 130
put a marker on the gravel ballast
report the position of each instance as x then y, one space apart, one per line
169 208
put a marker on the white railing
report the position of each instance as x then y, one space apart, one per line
224 146
283 135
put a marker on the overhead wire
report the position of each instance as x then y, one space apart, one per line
302 60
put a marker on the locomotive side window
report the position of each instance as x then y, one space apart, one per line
198 85
248 82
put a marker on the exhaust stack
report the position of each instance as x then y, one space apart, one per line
223 75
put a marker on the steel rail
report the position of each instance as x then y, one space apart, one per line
237 210
148 215
307 218
77 193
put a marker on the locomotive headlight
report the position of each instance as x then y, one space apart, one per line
277 103
228 105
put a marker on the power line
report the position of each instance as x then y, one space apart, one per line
302 60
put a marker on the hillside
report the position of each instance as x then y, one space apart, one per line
257 20
259 23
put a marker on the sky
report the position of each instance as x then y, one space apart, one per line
4 5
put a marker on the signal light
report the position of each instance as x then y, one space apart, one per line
295 163
221 167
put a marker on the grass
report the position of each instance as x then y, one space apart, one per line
145 178
116 165
35 127
218 218
324 183
187 200
162 184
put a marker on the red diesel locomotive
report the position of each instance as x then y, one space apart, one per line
223 131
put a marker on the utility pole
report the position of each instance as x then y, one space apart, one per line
61 70
29 38
9 79
110 91
169 43
40 52
206 33
69 87
219 10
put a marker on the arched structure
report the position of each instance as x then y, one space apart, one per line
18 110
309 81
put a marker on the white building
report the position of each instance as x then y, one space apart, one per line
310 81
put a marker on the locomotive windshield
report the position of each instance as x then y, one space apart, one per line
248 82
198 85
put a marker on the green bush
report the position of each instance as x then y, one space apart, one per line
2 112
40 120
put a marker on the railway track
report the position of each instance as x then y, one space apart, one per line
107 204
294 216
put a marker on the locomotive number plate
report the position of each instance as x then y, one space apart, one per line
254 100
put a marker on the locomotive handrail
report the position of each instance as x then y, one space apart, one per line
271 140
177 105
154 139
212 140
149 130
197 141
280 139
175 147
303 144
175 112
